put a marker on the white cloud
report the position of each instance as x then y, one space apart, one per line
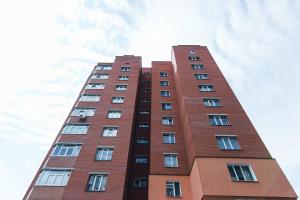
49 47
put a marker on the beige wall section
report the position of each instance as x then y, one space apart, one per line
157 187
216 181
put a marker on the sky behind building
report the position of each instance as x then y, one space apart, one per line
49 48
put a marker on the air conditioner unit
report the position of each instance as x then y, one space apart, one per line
82 116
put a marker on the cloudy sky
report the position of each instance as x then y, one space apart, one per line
48 48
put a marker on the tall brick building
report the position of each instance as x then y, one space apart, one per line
175 130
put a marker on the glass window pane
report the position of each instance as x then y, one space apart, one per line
220 143
239 173
177 189
226 141
234 143
247 173
232 174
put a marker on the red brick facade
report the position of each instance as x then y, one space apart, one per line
160 153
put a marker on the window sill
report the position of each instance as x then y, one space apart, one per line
231 150
174 197
221 125
245 181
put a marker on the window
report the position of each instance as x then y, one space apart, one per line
95 86
144 112
170 160
194 58
83 111
164 83
173 189
146 82
211 102
90 98
240 172
125 69
66 150
218 120
145 90
117 100
201 76
141 159
100 76
167 121
228 142
75 129
206 88
168 138
121 87
166 106
145 100
197 66
140 182
104 153
103 67
147 74
163 74
97 182
144 125
54 177
165 93
114 114
110 131
123 78
142 140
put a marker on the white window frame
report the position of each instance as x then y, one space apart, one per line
211 102
231 146
121 87
106 153
75 129
144 112
168 119
117 100
95 86
243 172
65 148
110 131
123 78
103 67
103 178
172 184
83 110
201 76
90 98
163 74
141 159
168 106
217 118
138 182
174 160
206 87
56 174
125 69
143 125
197 66
114 114
166 92
100 76
141 140
164 81
194 58
171 137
